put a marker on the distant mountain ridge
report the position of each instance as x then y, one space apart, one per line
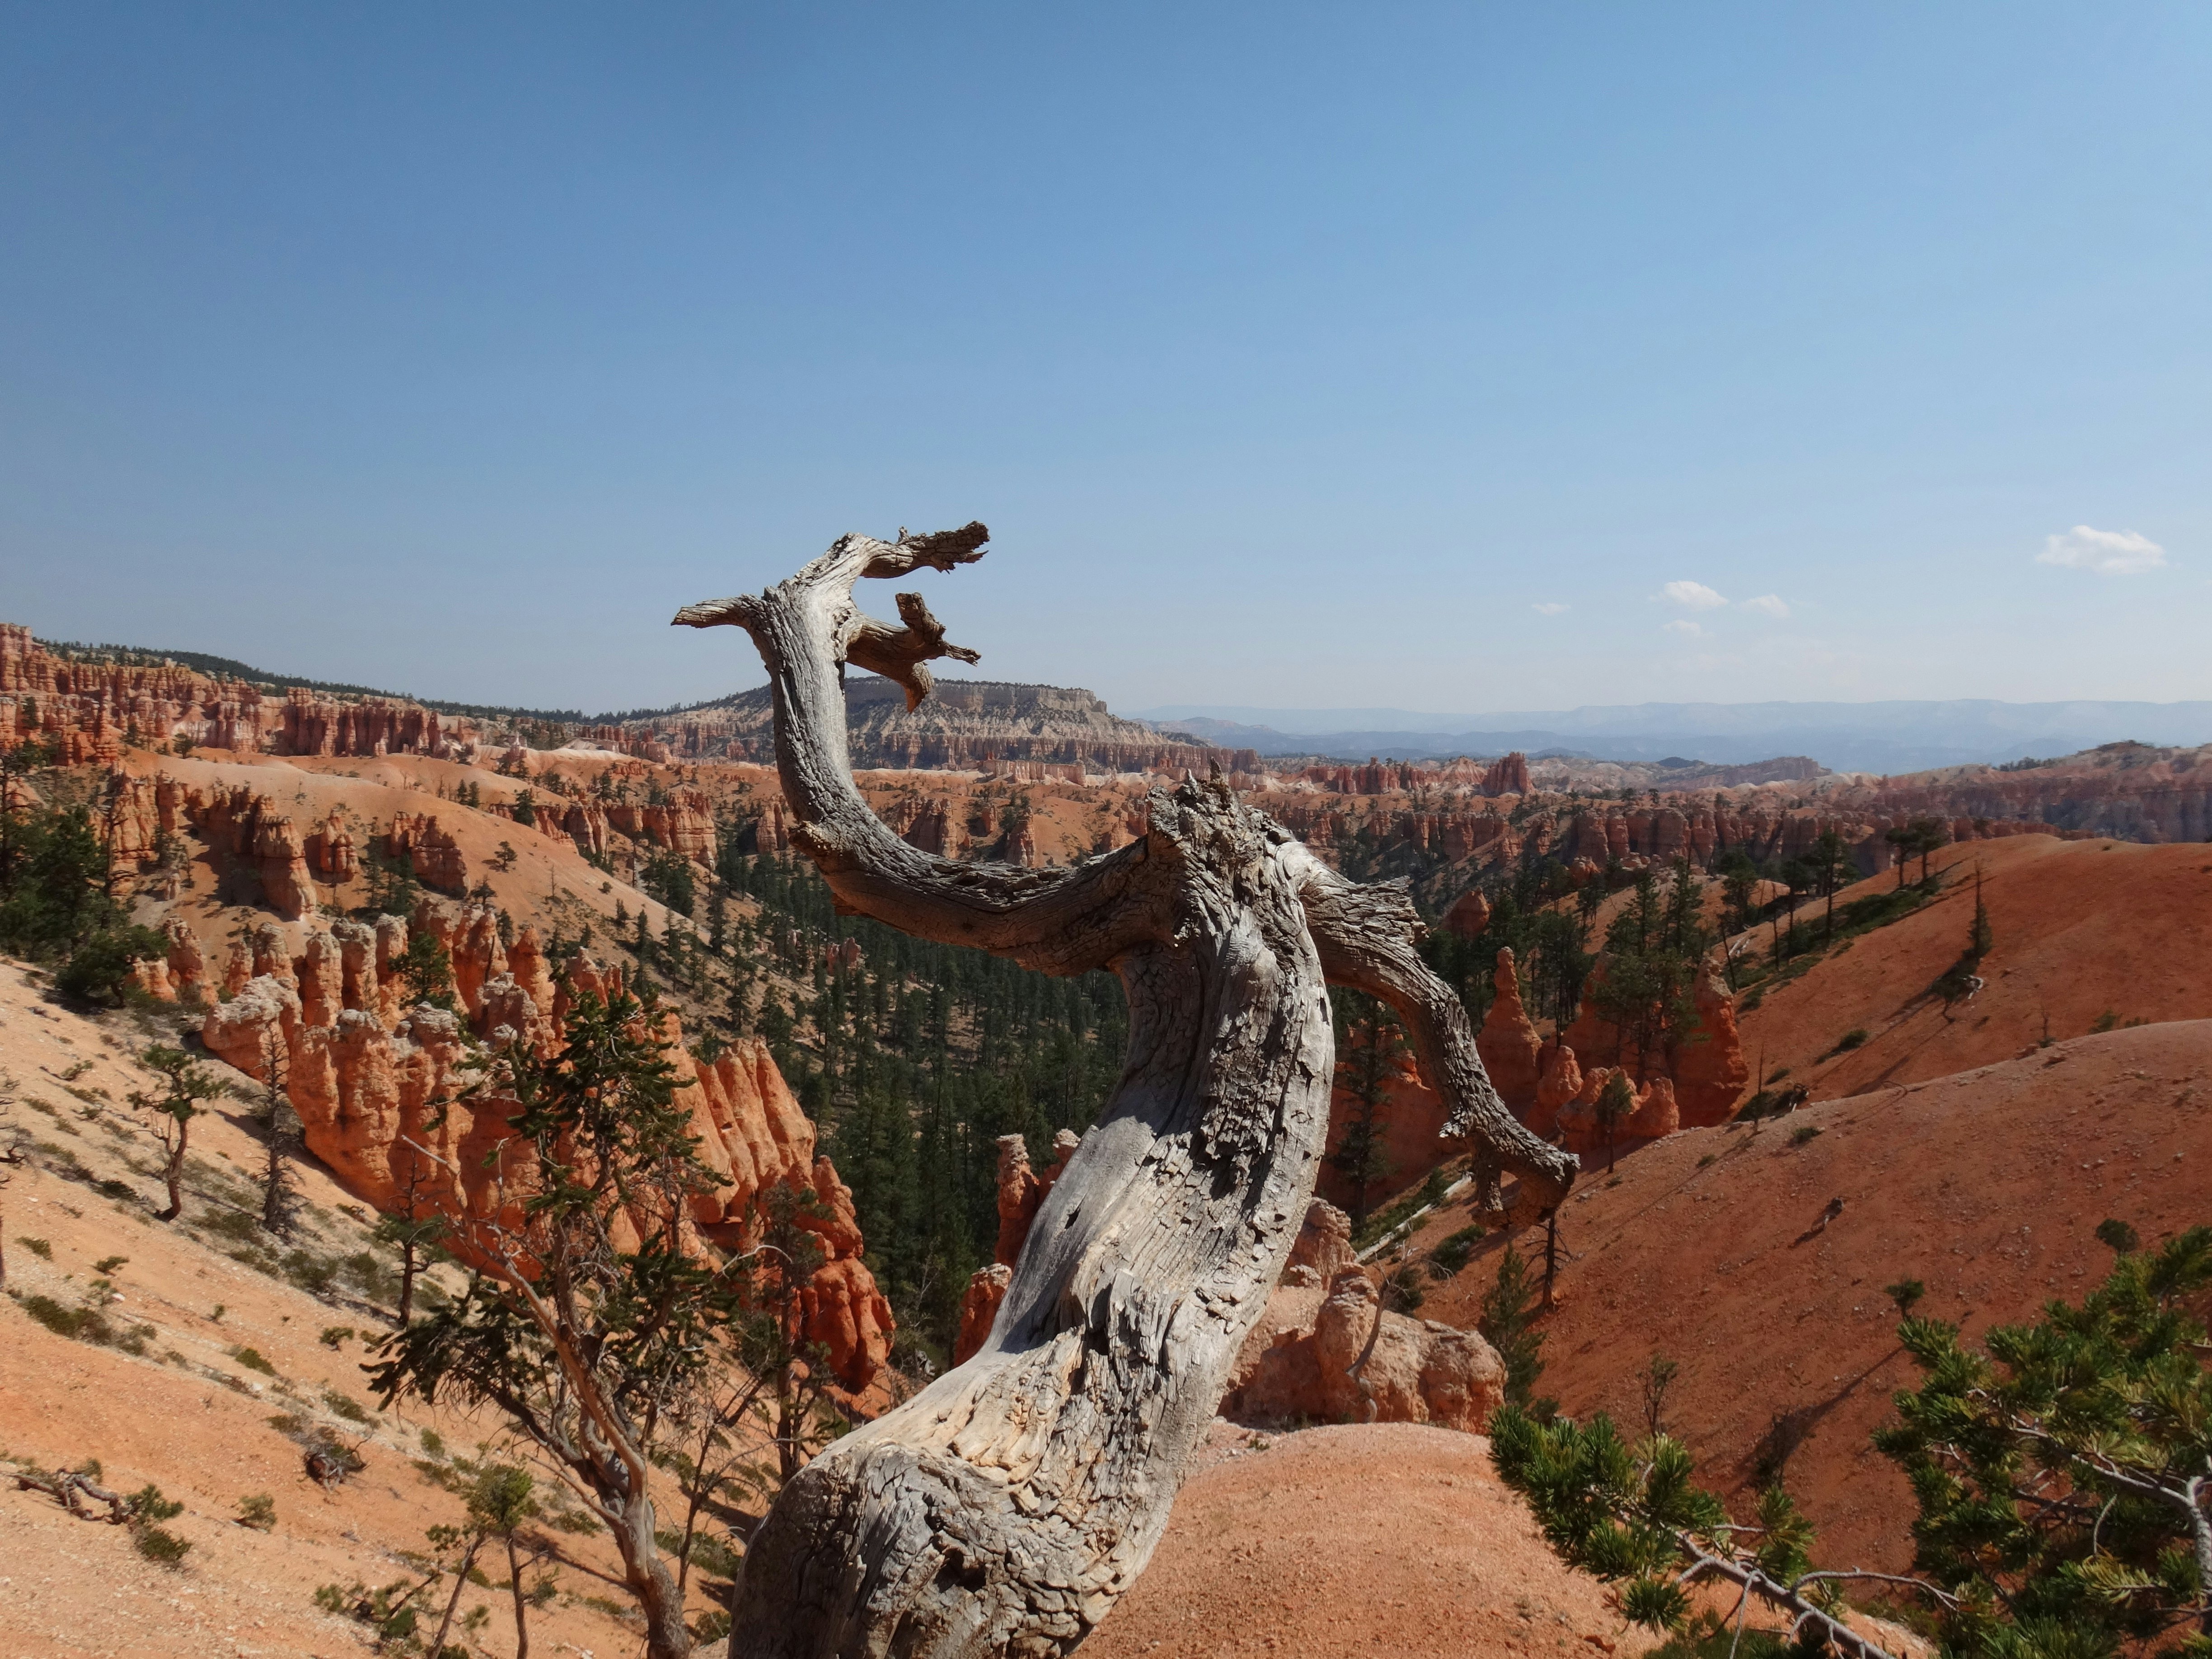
969 717
1888 736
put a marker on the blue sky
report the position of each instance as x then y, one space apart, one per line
1295 355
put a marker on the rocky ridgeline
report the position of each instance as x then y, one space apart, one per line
88 710
384 1088
2123 791
965 725
1585 836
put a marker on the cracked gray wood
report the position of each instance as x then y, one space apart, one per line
1005 1508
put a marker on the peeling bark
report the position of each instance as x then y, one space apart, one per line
1006 1507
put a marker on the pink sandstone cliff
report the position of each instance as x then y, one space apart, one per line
383 1094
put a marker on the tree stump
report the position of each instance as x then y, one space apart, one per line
1005 1508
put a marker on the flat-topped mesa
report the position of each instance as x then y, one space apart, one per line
391 1096
965 725
1006 1507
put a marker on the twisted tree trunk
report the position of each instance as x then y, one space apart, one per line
1005 1508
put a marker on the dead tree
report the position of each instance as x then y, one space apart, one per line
15 1150
1005 1508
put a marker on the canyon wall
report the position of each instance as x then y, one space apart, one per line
87 710
398 1097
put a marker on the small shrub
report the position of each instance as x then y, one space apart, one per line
315 1275
159 1545
234 1224
80 1324
340 1404
394 1621
251 1359
337 1336
2104 1022
1706 1160
369 1276
108 1264
38 1247
1778 1074
1850 1040
434 1443
1450 1256
114 1190
1804 1134
258 1513
148 1510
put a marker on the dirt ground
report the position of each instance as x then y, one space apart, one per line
188 1415
1383 1538
2085 931
1350 1540
1710 1248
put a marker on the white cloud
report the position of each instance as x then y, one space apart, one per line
1692 596
1547 608
1682 625
1768 605
2107 552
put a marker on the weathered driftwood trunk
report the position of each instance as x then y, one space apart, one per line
1004 1509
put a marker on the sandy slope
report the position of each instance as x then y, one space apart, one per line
1986 1185
188 1416
552 884
2082 927
1385 1538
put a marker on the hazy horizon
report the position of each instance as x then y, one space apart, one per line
1443 360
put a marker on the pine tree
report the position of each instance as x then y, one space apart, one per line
1369 1049
1507 1321
590 1318
186 1089
1616 1104
1959 982
426 971
280 1134
2061 1471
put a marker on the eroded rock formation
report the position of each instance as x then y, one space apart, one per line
1333 1355
1508 1040
431 851
1584 1133
1021 1190
1707 1070
90 705
389 1097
